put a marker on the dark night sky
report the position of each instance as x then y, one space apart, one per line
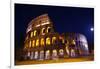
65 19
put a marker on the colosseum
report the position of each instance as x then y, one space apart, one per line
42 42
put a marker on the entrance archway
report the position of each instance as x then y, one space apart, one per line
41 55
54 54
73 53
36 55
47 54
31 56
61 53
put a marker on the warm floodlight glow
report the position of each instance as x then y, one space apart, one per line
42 24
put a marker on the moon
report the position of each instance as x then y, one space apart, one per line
92 29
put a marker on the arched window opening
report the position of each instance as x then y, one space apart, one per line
61 52
48 29
31 34
47 41
33 43
35 32
37 42
42 41
43 31
53 40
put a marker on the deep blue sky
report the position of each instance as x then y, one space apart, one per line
65 19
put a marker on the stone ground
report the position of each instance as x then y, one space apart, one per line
64 60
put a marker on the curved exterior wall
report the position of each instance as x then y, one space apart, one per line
43 43
82 44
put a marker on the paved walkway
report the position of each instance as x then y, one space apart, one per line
81 59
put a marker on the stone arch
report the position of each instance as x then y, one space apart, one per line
54 54
73 53
61 53
33 43
47 54
48 29
36 55
41 55
42 41
43 31
35 32
37 42
32 55
48 41
53 40
31 34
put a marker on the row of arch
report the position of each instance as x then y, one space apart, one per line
43 31
42 42
47 55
